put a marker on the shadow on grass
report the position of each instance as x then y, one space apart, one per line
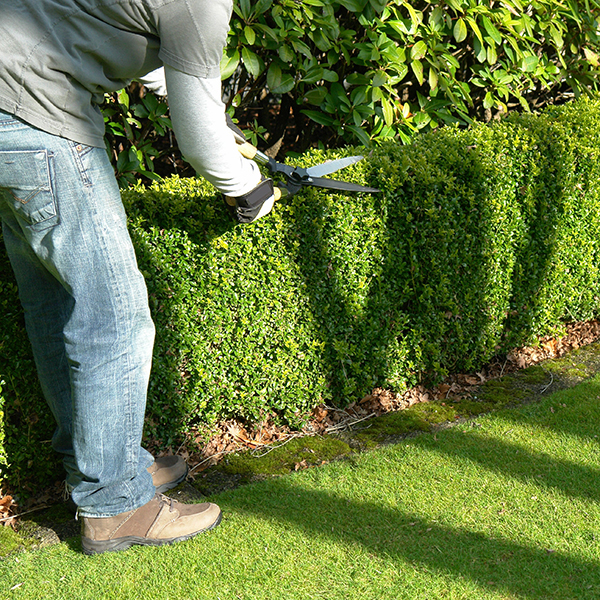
514 461
530 571
574 411
499 564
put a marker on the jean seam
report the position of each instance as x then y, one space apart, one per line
123 333
76 151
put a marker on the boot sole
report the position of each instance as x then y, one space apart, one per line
90 547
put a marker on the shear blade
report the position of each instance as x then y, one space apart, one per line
334 184
331 166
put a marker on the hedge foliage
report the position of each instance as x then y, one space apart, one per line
482 239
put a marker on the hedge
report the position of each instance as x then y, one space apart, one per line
481 239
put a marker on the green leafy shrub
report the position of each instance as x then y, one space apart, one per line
482 239
26 456
374 69
333 72
138 132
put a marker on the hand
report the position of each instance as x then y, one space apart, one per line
254 205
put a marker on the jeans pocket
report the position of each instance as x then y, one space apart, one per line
25 176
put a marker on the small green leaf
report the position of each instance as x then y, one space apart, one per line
302 48
249 35
419 50
388 111
286 54
330 76
357 79
262 6
473 23
530 63
245 8
379 79
492 31
279 82
319 117
229 64
591 57
252 62
417 67
313 75
415 16
480 50
361 134
123 97
460 30
353 5
315 96
433 79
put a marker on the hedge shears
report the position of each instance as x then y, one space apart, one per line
295 178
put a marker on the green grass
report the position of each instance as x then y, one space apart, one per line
502 508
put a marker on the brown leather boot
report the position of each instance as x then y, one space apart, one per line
161 521
167 472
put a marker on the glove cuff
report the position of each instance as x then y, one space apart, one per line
246 208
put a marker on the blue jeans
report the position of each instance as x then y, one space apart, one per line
86 310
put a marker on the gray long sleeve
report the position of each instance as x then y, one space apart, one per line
198 117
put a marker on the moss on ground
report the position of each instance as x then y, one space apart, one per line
417 418
298 452
526 385
11 541
576 366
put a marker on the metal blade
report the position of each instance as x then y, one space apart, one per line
334 184
331 166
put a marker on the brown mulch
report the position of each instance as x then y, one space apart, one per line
7 510
233 436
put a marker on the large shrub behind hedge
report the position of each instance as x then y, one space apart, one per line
375 68
338 72
481 239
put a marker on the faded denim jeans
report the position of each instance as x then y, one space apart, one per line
86 310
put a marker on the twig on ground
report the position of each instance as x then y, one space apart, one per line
25 513
348 423
211 457
271 447
551 382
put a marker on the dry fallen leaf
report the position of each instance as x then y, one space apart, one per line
443 389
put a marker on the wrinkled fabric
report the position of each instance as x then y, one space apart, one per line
86 310
59 58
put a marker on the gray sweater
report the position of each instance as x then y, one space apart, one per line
59 57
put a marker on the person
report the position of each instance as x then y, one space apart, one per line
64 227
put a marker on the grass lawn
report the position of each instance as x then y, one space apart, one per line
504 507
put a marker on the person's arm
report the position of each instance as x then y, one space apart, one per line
205 140
207 143
155 81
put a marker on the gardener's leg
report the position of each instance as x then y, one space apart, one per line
86 310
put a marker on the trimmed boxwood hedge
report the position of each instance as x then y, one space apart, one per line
481 239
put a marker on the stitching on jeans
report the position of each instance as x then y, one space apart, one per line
29 198
76 150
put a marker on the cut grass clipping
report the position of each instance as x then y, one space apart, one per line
504 507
